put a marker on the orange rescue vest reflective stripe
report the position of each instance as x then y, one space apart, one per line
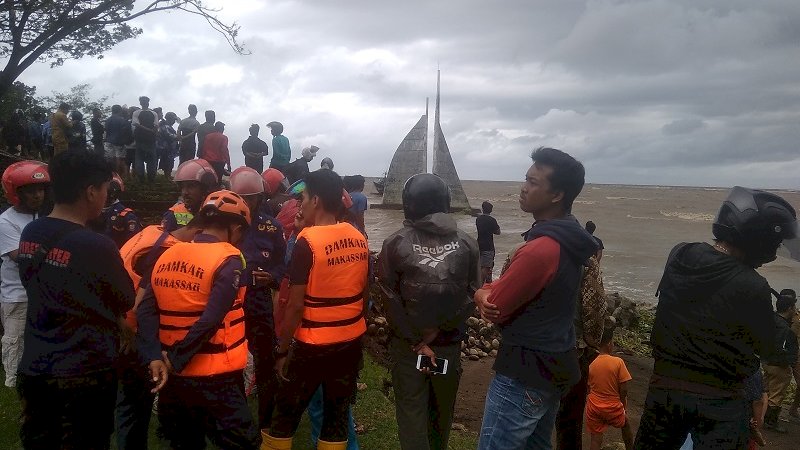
182 280
334 306
139 246
182 215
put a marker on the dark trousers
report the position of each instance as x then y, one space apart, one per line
256 164
260 332
67 413
219 168
134 404
424 404
714 422
335 367
167 163
193 408
185 153
569 421
145 155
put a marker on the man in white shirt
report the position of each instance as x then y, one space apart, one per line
24 183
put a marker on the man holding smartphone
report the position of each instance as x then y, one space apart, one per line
428 271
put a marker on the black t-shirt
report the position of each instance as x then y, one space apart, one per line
74 302
599 242
487 228
302 258
254 145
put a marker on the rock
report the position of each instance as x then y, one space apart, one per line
626 318
474 357
486 331
372 329
473 351
458 426
472 341
361 386
463 345
495 344
464 354
483 354
472 322
614 446
381 321
493 353
626 303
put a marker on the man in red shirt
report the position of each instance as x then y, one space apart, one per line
215 150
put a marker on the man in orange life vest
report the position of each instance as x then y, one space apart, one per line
196 179
135 393
325 314
192 315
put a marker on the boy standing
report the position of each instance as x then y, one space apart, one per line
608 394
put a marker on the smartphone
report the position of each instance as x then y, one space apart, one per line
424 362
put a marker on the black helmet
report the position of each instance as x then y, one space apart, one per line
755 222
423 194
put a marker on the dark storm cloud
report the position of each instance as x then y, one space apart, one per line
652 91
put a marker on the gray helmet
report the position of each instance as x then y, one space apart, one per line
423 194
755 222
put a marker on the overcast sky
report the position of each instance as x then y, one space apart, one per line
674 92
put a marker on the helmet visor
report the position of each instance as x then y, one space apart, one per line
790 246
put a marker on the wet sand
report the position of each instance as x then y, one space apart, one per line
639 225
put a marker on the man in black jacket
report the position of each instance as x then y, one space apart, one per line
714 317
429 272
778 366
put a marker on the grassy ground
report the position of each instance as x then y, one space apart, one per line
373 410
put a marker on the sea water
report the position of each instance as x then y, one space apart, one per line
639 225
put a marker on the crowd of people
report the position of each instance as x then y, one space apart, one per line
104 318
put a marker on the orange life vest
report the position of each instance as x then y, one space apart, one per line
139 246
182 280
334 303
182 214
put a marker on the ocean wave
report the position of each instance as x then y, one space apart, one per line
694 217
629 198
585 202
642 217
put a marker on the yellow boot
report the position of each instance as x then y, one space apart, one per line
273 443
325 445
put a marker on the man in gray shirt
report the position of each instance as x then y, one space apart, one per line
187 130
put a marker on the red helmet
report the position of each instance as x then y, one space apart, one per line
273 180
197 170
228 203
23 173
246 181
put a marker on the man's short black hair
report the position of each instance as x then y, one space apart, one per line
590 227
607 337
192 108
568 173
254 129
64 106
327 185
789 293
144 100
211 116
785 303
116 109
487 207
72 172
219 126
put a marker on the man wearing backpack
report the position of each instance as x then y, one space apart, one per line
145 131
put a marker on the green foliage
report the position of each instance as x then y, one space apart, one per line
21 97
79 99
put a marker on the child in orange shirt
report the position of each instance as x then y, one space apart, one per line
608 394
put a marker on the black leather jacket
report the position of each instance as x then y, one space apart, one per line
429 271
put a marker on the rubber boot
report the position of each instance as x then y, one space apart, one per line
273 443
325 445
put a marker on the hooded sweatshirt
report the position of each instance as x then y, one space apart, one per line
714 319
429 271
536 297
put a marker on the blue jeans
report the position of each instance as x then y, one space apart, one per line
518 417
145 154
316 413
